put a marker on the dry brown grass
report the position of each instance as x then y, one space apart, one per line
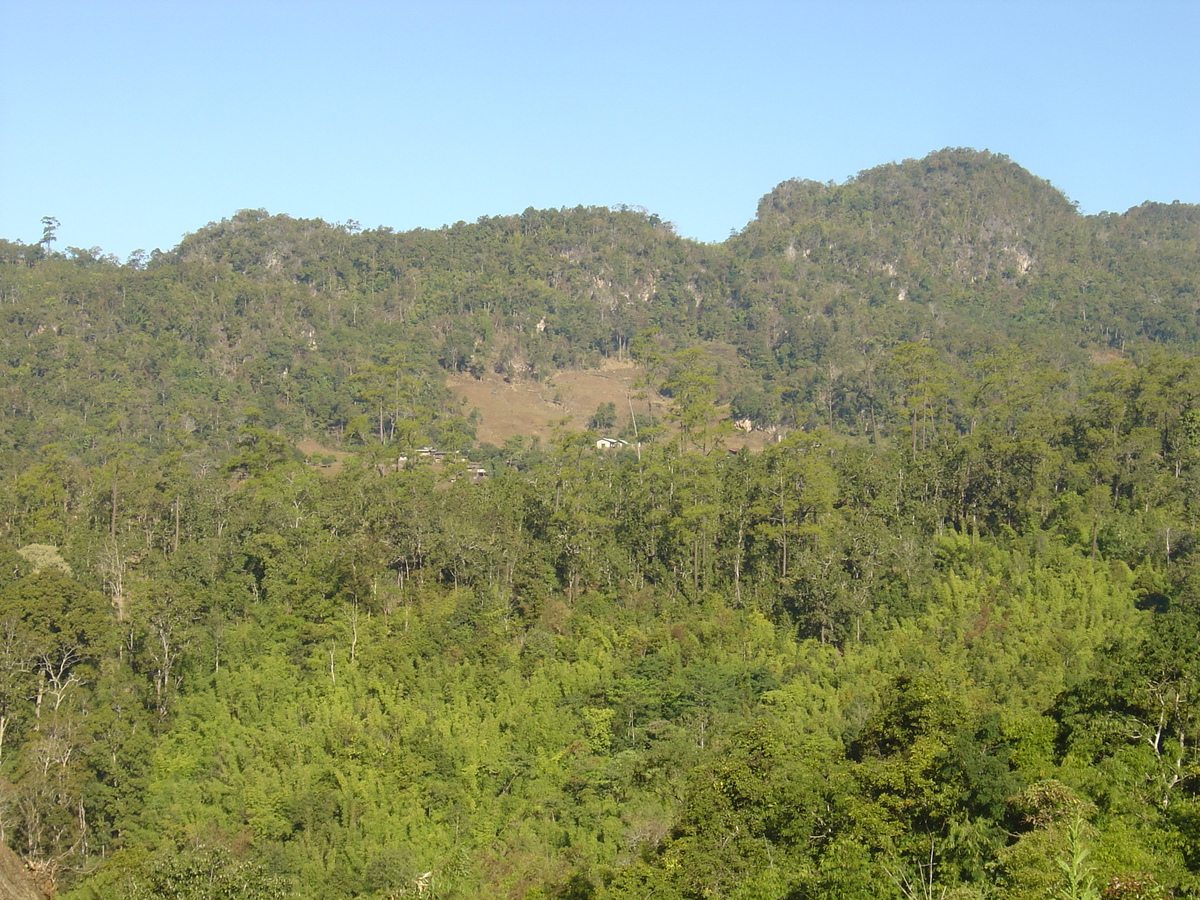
531 408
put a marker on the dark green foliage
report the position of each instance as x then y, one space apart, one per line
197 873
604 418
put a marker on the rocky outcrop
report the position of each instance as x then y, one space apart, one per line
15 880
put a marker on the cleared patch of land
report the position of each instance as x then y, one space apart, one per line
333 458
533 408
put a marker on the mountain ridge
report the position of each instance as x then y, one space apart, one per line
284 321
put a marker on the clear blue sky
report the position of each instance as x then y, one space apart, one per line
134 123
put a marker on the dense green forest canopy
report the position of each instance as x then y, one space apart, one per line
939 638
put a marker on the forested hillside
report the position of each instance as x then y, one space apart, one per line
940 637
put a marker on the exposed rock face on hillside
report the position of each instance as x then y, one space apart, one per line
15 883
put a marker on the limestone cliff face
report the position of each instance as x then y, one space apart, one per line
15 881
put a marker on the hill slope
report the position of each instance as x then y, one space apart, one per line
939 639
346 336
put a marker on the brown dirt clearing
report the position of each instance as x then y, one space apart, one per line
533 408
